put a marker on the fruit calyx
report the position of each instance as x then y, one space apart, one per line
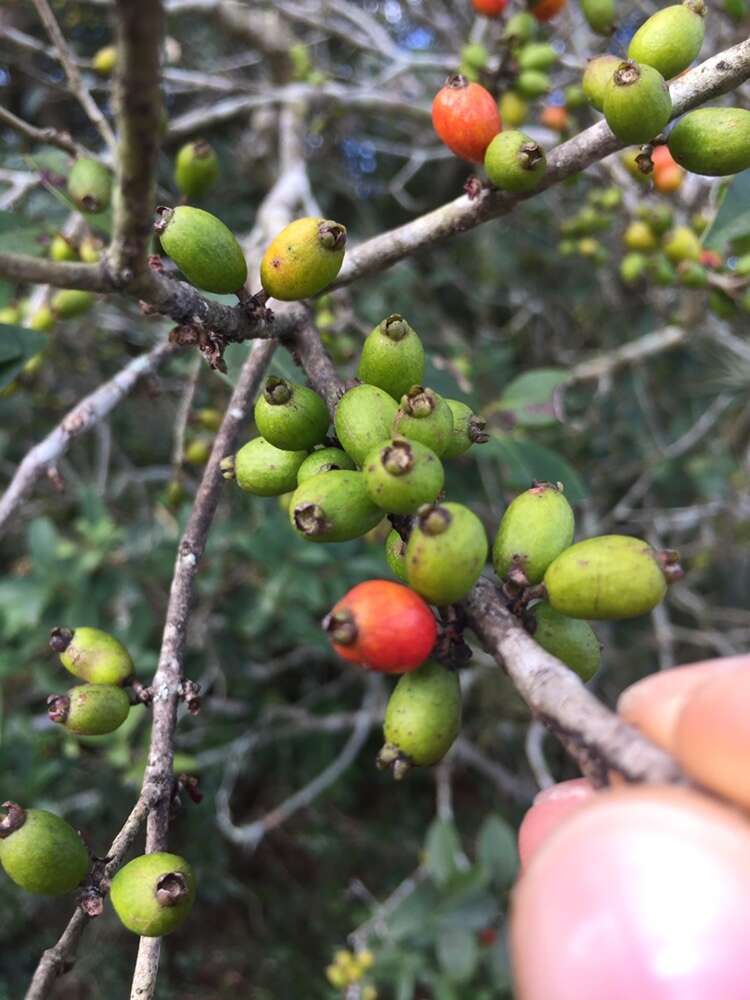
433 519
60 639
669 561
332 235
226 467
626 74
15 817
277 391
457 81
311 520
418 402
341 627
163 217
390 756
201 149
529 154
398 457
395 326
171 889
476 430
58 707
697 6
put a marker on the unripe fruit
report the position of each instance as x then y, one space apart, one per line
634 160
105 60
41 852
395 554
71 302
392 357
153 894
382 625
196 169
402 475
324 460
260 468
474 55
90 709
203 248
446 552
291 416
670 39
513 108
600 15
519 29
303 259
640 236
545 10
43 320
333 507
712 141
10 315
490 8
657 216
60 248
197 451
91 654
575 97
532 83
468 429
465 118
363 419
422 719
637 104
692 275
89 185
534 530
91 249
682 244
632 267
598 73
514 162
610 576
425 417
662 270
537 55
554 116
569 639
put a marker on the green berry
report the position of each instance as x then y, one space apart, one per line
514 162
670 39
422 719
333 507
291 416
41 852
203 248
363 419
575 97
610 576
534 530
323 460
569 639
303 259
10 315
105 60
90 709
196 169
662 270
61 249
520 28
446 552
424 416
600 15
532 83
92 655
468 429
657 216
596 76
537 55
402 475
91 249
392 357
261 468
153 894
89 185
197 451
637 104
475 55
691 274
682 244
43 320
632 267
395 554
640 236
71 302
712 141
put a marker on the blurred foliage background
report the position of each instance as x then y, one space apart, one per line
658 448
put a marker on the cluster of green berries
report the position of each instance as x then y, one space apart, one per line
349 967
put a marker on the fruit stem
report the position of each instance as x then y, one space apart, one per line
60 639
171 889
58 707
13 820
476 430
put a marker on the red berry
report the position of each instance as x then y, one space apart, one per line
545 10
382 625
466 118
490 8
487 936
712 259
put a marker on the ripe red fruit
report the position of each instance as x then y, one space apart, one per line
545 10
466 118
712 259
382 625
554 116
490 8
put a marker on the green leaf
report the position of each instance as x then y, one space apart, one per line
442 848
19 235
457 953
523 461
528 400
496 850
498 963
732 221
17 345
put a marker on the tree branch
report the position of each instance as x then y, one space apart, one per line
48 136
603 365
